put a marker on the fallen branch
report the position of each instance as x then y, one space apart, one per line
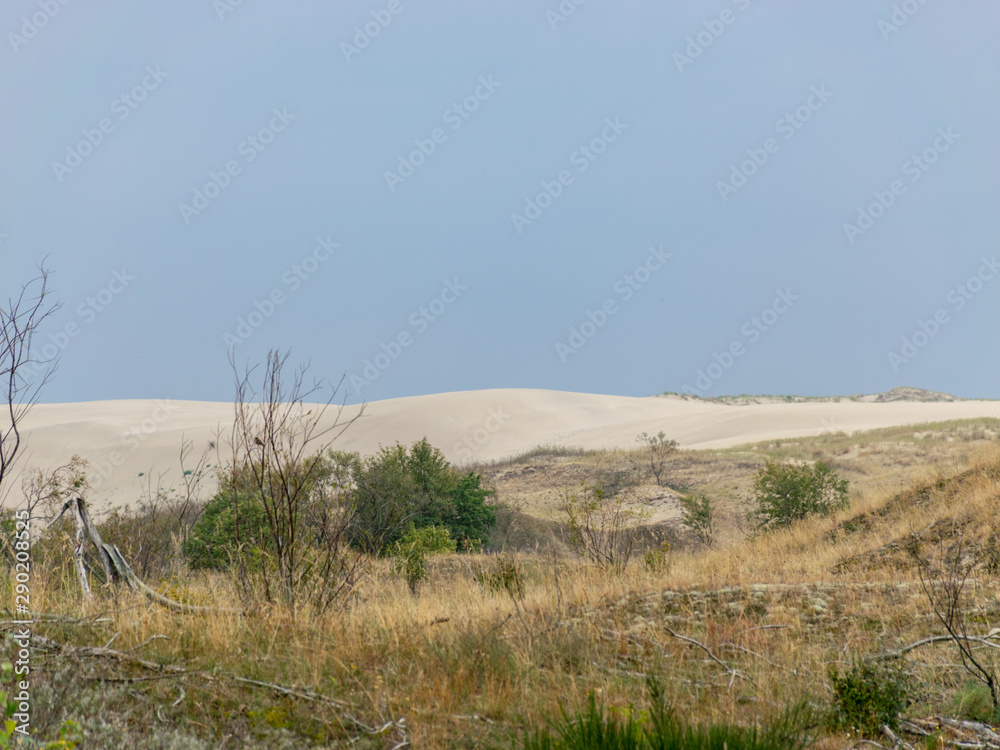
309 695
51 645
984 639
729 670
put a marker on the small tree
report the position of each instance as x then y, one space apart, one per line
699 516
279 445
20 320
659 450
603 528
943 581
784 494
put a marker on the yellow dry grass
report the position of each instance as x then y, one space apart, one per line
457 666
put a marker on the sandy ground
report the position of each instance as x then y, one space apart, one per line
124 439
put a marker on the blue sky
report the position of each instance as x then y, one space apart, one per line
631 197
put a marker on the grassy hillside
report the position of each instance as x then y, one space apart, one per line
734 634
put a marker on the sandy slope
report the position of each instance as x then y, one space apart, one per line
470 425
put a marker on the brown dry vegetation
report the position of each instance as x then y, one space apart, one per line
459 666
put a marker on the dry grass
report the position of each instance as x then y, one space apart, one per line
457 666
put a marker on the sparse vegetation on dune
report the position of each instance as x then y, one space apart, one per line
496 649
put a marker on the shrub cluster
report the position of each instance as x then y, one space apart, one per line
785 494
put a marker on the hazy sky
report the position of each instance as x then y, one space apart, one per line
627 198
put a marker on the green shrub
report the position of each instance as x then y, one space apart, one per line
411 552
698 515
784 494
400 487
662 729
870 694
231 517
657 559
430 540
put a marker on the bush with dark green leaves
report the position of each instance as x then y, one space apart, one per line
785 494
232 518
871 693
399 487
236 517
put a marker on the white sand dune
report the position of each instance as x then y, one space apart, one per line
123 439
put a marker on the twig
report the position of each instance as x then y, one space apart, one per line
940 639
151 638
752 653
729 670
309 696
896 741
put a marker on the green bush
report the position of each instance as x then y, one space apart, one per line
430 540
411 552
662 729
785 494
232 517
657 559
698 515
397 488
870 694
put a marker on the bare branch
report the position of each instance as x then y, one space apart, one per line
23 371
